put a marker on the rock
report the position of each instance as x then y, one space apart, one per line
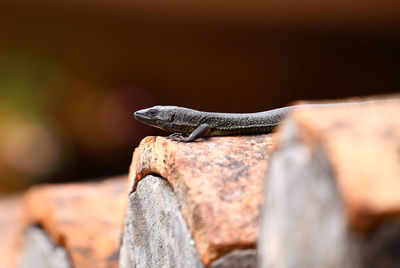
83 218
156 235
10 228
243 258
40 252
218 186
332 195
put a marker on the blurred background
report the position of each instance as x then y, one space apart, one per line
73 72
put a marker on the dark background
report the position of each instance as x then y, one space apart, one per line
73 72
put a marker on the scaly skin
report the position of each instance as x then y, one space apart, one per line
198 124
186 121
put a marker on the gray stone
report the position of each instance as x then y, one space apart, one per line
243 258
303 219
155 233
38 251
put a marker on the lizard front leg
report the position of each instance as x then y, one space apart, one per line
201 131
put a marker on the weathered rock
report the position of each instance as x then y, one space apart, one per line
218 185
332 195
83 218
238 258
10 227
40 252
156 235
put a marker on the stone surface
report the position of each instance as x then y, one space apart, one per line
10 227
40 252
156 235
218 184
333 189
84 218
363 144
303 223
238 258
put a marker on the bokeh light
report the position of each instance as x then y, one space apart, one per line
32 150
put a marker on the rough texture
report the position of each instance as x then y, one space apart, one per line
332 195
40 252
84 218
156 235
239 258
9 229
363 145
218 184
303 223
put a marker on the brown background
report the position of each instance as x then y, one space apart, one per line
210 55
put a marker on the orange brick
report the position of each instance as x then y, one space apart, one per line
85 218
363 145
10 227
219 183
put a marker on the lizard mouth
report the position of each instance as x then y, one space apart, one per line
140 116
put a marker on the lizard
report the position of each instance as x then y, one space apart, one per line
196 124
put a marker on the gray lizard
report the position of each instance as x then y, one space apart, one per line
198 124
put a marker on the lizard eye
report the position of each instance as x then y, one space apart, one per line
172 118
152 112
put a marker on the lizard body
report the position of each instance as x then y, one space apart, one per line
198 124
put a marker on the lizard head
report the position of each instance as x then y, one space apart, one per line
164 117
